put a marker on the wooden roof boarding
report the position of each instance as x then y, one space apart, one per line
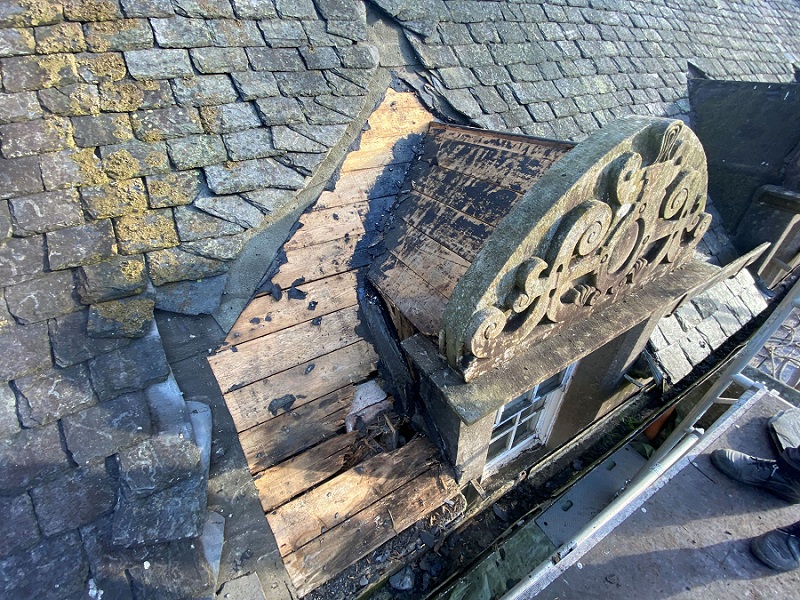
296 358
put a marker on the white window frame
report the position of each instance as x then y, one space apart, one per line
544 424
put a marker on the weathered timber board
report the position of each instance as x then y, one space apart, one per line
382 152
336 549
510 161
265 315
320 226
321 260
454 230
265 356
480 199
292 477
298 522
436 265
291 432
307 381
417 300
399 114
359 186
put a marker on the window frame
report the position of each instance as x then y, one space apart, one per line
544 424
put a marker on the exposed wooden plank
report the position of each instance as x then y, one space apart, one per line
435 264
298 522
307 381
479 199
514 171
265 315
452 229
336 549
291 432
292 477
265 356
399 113
322 260
525 145
418 301
326 225
358 186
382 151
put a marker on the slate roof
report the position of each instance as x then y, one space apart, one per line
144 142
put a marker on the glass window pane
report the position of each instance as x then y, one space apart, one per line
497 447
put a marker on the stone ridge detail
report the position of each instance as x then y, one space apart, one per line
623 208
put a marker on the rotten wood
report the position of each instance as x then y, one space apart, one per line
292 432
335 550
249 406
279 484
265 315
394 368
298 522
481 200
510 161
282 350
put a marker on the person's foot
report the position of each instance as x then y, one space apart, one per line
778 549
758 472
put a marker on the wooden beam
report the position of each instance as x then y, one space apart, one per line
292 432
249 406
279 484
298 522
265 315
265 356
382 152
336 549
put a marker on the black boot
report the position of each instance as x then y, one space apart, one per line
758 472
778 549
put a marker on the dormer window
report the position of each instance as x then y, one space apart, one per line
527 421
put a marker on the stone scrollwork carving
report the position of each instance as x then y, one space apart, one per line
623 208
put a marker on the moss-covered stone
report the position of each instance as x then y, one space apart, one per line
174 189
89 167
116 199
120 277
21 13
167 266
98 68
120 96
92 10
129 317
64 37
152 230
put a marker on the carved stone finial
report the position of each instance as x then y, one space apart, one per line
624 207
